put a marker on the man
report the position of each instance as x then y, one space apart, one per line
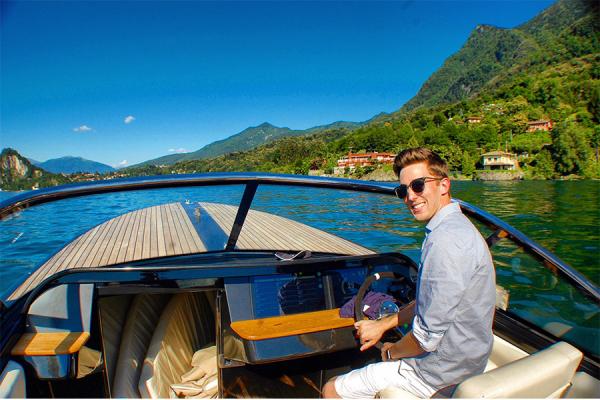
451 337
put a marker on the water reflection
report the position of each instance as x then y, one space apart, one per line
563 216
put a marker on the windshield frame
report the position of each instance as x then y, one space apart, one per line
252 181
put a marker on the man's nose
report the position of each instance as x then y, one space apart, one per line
410 194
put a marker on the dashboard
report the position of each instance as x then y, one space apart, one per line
305 287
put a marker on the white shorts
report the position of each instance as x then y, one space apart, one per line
366 382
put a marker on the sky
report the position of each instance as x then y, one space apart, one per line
121 82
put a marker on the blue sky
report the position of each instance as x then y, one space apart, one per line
121 82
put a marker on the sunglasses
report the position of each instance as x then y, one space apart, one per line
417 186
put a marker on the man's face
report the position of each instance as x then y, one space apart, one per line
423 206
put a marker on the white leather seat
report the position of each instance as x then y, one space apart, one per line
142 317
186 325
545 374
503 352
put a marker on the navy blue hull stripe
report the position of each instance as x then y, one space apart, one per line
210 233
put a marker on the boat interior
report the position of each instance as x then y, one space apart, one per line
213 337
200 314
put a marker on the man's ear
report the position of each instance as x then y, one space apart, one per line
445 186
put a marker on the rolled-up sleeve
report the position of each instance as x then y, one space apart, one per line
443 279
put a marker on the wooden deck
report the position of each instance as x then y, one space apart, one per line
167 230
264 231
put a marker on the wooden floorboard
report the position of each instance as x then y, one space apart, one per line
161 233
139 235
167 230
186 246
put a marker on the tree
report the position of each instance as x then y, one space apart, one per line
413 142
544 166
439 119
571 149
468 164
594 104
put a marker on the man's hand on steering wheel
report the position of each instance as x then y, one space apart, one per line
370 332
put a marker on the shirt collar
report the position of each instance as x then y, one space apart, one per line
441 214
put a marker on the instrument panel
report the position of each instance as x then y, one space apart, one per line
306 287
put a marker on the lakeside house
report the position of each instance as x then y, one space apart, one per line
539 125
500 160
474 119
353 160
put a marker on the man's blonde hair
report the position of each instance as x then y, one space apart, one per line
435 164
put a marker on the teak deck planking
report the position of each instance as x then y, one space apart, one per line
166 230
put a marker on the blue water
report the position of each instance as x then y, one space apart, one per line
562 216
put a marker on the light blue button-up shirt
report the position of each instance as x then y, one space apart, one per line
456 296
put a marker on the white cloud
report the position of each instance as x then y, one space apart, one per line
122 164
180 150
129 119
82 128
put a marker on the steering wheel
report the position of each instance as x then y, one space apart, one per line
359 315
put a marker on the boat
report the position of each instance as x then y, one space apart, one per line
204 298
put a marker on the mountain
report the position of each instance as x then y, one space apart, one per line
491 55
17 173
487 52
70 165
247 139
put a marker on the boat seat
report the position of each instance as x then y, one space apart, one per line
547 373
142 317
186 325
503 352
113 314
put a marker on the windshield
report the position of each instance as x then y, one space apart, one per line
376 222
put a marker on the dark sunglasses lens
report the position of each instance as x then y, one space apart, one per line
418 185
401 191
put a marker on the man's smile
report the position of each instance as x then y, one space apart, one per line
415 207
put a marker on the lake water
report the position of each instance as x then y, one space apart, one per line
563 216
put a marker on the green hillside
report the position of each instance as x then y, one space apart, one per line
247 139
567 29
488 51
17 173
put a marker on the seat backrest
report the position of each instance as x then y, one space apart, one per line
142 317
547 373
185 326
